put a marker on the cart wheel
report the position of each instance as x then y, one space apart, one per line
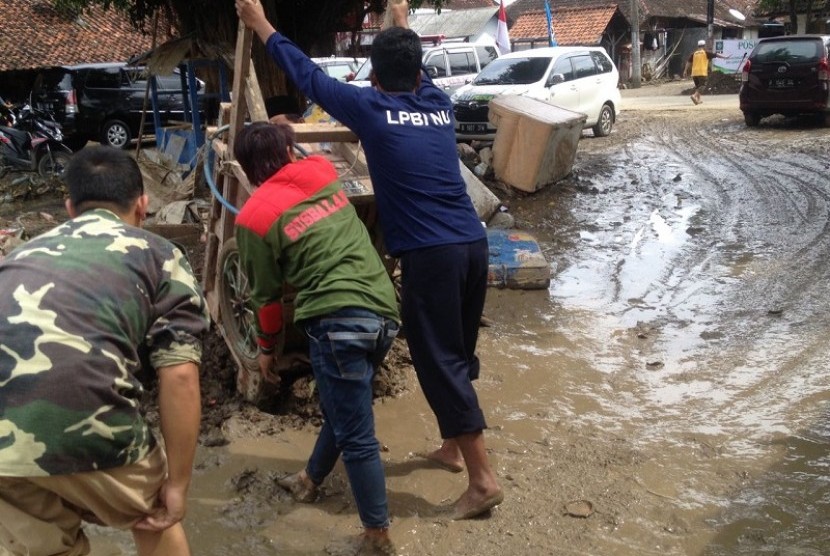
237 322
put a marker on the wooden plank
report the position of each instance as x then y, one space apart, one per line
319 132
241 67
253 94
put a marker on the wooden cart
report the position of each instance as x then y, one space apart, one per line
225 284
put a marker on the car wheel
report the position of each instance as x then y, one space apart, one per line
752 119
116 133
605 121
53 164
236 318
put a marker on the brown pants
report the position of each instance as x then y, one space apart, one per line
41 516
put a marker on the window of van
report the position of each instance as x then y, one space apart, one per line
462 63
436 66
486 54
583 66
788 51
563 66
602 62
106 78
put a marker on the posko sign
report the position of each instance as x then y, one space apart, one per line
736 52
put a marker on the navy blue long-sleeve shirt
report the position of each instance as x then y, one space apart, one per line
409 141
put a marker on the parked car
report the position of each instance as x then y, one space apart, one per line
103 102
450 65
786 75
581 79
341 68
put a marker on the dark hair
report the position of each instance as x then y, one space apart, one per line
102 175
396 59
262 149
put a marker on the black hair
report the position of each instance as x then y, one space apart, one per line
396 59
262 149
99 175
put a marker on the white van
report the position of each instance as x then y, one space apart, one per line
578 78
450 65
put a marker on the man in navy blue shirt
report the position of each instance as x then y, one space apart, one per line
405 124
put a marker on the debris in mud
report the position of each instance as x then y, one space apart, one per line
9 239
579 508
17 187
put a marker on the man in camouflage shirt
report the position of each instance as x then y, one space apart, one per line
81 307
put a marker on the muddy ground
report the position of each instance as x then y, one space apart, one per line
674 375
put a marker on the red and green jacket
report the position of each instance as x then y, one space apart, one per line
299 228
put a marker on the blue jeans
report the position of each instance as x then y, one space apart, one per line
346 346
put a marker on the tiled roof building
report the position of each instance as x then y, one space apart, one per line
571 25
35 34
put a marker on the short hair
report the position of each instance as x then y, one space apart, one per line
396 59
101 175
261 148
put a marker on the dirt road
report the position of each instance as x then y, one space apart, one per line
674 375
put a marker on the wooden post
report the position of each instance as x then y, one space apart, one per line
247 97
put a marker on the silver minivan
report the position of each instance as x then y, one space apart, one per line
578 78
450 65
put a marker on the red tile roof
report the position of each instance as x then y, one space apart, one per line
34 34
572 25
469 4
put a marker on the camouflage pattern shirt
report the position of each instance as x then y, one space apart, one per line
80 306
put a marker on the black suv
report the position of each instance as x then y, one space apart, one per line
787 75
103 102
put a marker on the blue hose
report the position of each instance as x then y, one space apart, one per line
208 168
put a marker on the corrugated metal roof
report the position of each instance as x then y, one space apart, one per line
452 23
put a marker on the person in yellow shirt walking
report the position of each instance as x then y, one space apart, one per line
698 63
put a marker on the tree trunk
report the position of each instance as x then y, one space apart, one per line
793 17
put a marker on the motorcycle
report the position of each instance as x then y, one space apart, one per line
30 141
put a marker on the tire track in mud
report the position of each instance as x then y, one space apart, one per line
776 218
667 339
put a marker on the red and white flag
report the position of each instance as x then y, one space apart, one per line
502 38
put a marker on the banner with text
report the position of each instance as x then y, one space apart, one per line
736 51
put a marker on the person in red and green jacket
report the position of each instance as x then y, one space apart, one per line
406 129
299 228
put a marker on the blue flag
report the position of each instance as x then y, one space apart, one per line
551 33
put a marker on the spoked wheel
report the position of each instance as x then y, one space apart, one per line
237 322
53 164
116 134
605 122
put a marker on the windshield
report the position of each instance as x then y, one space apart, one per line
363 73
513 71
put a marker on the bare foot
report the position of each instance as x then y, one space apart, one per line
448 457
301 487
366 544
435 459
474 503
